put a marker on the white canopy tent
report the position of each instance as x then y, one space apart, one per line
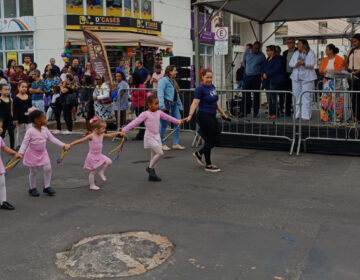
265 11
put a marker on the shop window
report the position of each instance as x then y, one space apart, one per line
206 56
26 42
127 8
95 7
1 43
114 8
11 43
9 8
136 8
74 7
26 7
146 9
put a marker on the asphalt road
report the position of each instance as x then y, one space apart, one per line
266 216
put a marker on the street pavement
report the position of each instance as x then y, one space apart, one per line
265 216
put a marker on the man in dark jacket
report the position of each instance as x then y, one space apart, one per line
286 99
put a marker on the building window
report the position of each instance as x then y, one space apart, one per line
26 7
146 9
15 47
26 42
114 8
206 56
10 8
95 7
127 8
74 7
11 43
17 8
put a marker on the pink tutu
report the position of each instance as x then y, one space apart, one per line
95 158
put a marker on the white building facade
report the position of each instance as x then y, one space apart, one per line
40 28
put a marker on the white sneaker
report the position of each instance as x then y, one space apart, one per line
67 132
57 132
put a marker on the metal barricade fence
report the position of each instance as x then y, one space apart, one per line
236 103
332 117
250 120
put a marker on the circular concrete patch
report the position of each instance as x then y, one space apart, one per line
115 255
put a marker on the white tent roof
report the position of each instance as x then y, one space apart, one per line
288 10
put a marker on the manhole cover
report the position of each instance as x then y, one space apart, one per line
295 161
70 183
115 255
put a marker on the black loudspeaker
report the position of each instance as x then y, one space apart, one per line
184 84
187 98
183 73
180 61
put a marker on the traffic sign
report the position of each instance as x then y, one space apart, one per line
221 34
221 41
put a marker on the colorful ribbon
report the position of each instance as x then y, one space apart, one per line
171 133
118 149
11 164
60 159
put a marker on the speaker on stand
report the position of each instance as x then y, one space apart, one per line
183 64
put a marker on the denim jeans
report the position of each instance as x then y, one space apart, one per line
273 99
39 104
174 112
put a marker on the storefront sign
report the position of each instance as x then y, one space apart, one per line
21 24
102 23
97 55
206 36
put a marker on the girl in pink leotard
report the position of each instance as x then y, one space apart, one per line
95 158
34 150
152 139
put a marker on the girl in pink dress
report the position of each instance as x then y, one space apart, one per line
3 203
33 148
152 139
95 158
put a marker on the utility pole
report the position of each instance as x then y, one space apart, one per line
197 45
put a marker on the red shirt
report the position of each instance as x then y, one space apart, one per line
138 97
15 79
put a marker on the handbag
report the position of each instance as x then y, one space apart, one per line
106 100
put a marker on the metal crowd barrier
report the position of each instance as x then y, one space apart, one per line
332 117
246 123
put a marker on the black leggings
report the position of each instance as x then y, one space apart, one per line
57 112
209 129
141 132
67 110
9 127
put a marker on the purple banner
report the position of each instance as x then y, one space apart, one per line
207 36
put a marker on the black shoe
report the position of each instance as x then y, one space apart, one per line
34 192
198 158
152 175
49 190
7 206
212 169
